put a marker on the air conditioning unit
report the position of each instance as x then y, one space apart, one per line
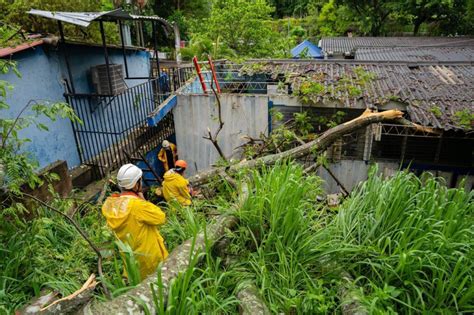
100 80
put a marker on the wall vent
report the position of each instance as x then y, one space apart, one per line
100 80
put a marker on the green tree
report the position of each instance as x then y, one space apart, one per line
422 11
241 28
373 13
334 20
457 18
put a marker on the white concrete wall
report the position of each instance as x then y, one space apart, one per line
193 114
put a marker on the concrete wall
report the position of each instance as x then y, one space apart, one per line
193 114
43 70
353 172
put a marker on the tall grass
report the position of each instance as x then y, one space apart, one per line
409 242
46 253
281 217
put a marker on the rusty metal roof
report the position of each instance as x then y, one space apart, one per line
347 44
435 95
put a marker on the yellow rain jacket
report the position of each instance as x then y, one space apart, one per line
135 222
175 187
163 158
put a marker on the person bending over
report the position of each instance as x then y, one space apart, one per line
175 186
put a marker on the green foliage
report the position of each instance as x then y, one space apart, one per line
335 20
371 14
303 123
408 242
436 111
238 29
465 118
47 253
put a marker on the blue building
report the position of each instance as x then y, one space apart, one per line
307 49
44 78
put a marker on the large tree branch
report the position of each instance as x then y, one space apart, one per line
320 144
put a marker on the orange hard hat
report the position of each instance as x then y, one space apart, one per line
181 163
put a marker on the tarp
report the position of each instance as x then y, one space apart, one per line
307 49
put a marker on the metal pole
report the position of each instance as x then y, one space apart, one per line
123 48
106 54
66 56
157 60
155 48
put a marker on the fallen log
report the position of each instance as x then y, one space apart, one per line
250 302
320 144
177 262
348 293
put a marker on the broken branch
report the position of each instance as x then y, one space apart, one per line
320 144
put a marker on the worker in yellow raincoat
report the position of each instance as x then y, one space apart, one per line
168 155
134 220
175 186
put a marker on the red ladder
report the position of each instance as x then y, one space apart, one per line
201 78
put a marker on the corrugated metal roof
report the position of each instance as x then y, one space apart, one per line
85 18
434 94
7 51
347 44
438 54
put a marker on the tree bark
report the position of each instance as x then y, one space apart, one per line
320 144
250 302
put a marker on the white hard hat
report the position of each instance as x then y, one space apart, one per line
165 144
128 175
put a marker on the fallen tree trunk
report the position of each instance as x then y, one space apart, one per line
250 302
177 262
349 295
320 144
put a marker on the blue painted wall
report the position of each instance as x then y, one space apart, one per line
41 80
82 58
43 70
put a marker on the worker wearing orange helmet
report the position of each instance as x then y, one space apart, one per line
135 220
175 186
168 155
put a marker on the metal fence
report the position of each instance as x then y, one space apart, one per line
112 124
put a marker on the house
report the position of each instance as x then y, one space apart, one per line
434 49
44 78
111 88
437 96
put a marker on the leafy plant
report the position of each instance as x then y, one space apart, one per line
436 111
465 118
303 123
